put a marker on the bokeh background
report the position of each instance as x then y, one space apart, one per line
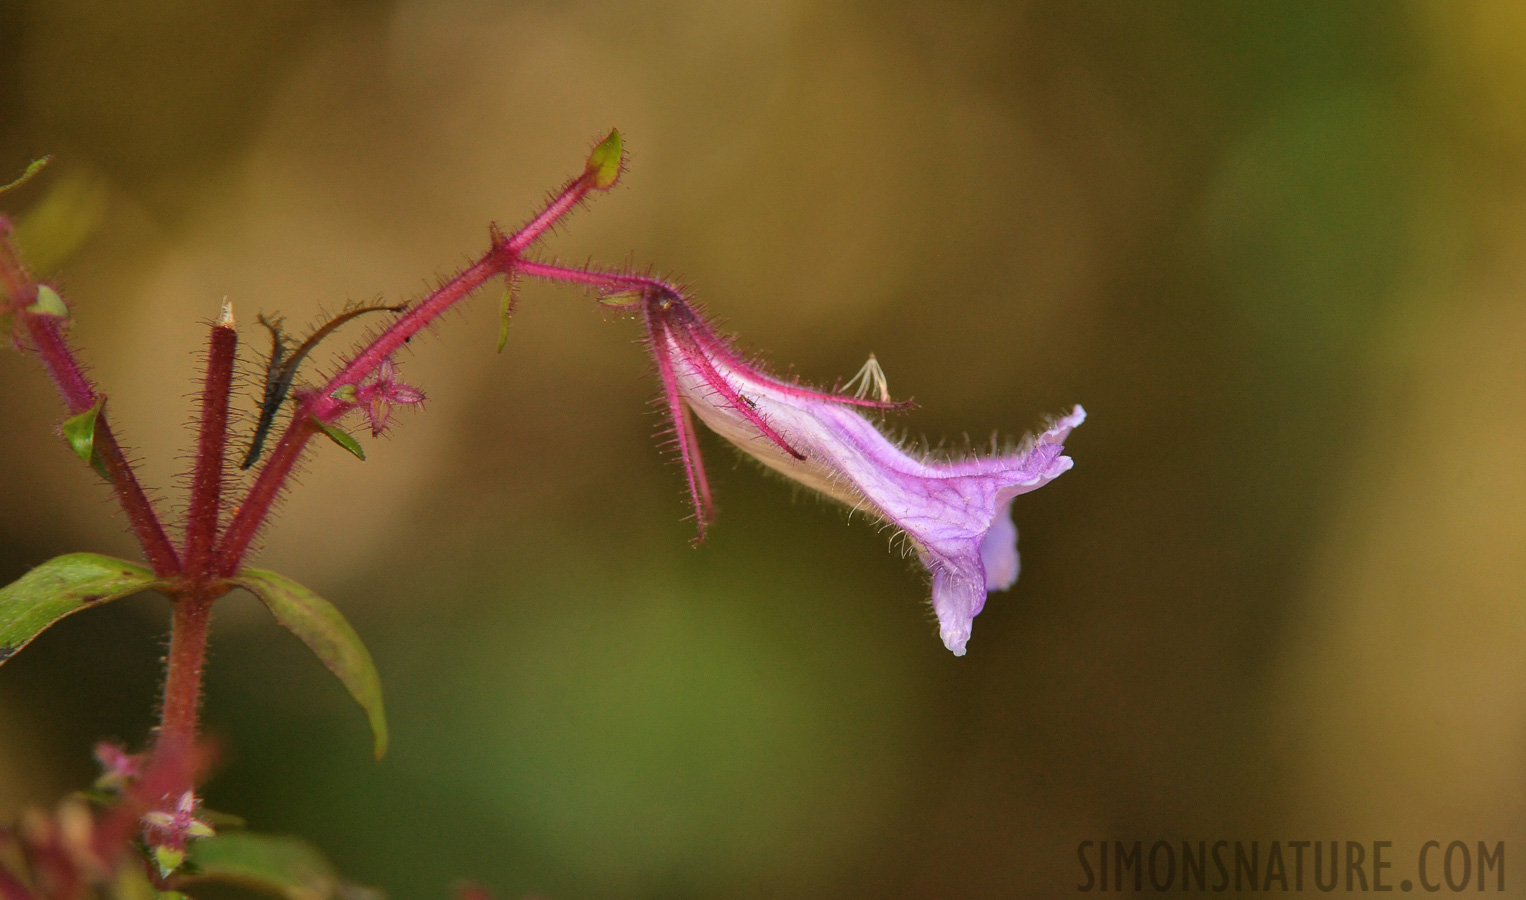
1277 250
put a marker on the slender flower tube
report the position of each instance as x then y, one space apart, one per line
957 515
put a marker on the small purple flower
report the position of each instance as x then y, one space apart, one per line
957 515
378 393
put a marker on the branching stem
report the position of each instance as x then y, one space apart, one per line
45 332
213 552
503 258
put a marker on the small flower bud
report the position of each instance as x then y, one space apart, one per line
605 161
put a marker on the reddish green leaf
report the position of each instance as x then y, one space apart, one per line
63 585
325 631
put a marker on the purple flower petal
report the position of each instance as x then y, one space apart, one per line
957 515
998 551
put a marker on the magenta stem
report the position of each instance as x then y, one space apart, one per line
58 358
503 258
418 316
567 198
609 281
205 512
250 515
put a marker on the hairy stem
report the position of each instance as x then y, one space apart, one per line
502 258
182 682
46 335
605 281
324 407
493 263
251 513
563 203
204 514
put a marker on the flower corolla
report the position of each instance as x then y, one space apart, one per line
957 515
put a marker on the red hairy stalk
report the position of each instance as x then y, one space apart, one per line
182 684
327 404
211 552
46 335
606 282
204 514
565 201
327 409
250 514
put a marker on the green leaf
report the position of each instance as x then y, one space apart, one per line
505 309
604 161
286 866
345 393
342 438
32 168
168 859
79 431
326 633
63 585
48 303
621 299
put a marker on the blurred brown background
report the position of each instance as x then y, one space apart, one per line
1277 250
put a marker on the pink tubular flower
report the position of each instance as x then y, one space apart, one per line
958 515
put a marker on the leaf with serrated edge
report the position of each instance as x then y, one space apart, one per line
287 866
63 585
325 631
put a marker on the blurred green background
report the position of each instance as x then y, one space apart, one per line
1277 250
